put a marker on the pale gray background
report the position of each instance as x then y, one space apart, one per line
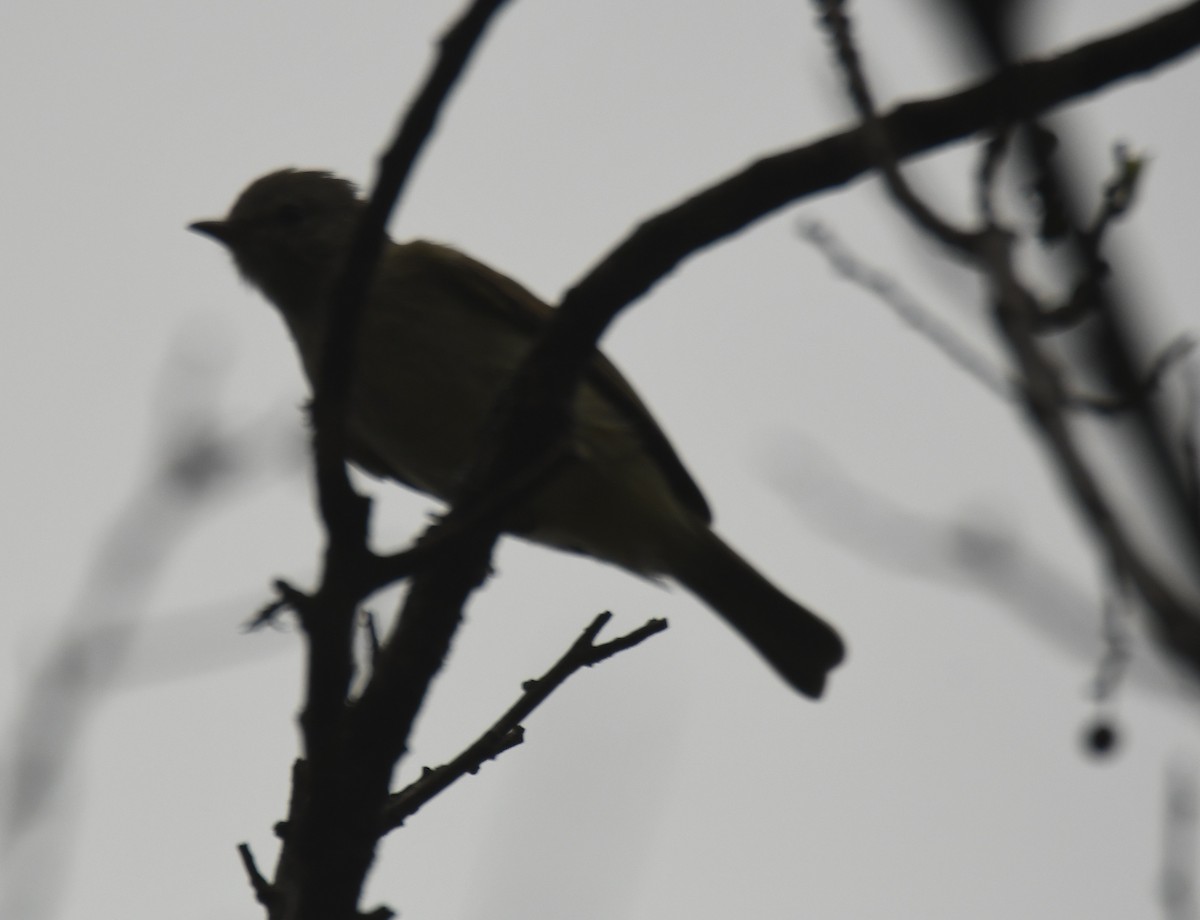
942 776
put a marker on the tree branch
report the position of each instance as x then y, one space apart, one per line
329 842
507 732
1019 317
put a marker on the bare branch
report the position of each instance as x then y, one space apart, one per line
662 242
506 732
851 267
837 25
330 844
1019 318
264 893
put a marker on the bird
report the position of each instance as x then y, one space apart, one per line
439 340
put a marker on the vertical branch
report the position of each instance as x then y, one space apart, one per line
330 837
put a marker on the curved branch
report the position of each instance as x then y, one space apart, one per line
659 244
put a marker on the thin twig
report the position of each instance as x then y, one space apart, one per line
290 598
506 732
264 893
1114 663
837 25
1115 202
851 267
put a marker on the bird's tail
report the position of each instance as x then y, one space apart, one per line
799 645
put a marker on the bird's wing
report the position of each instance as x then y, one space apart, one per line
527 312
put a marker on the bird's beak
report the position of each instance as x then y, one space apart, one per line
219 230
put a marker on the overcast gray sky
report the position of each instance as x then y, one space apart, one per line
941 777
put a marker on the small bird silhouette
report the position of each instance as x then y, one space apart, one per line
439 341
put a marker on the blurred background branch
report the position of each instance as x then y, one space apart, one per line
195 463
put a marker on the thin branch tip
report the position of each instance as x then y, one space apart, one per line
264 891
290 598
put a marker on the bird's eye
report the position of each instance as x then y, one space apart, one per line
289 213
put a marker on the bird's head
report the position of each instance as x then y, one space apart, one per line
288 232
